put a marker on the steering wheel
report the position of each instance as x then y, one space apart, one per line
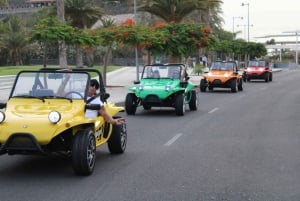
69 94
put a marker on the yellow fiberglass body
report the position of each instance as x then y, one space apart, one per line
45 114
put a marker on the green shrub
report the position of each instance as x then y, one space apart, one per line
198 69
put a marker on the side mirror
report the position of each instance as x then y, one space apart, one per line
92 106
105 96
2 105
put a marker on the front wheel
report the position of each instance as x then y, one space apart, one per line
266 77
179 105
130 103
84 152
203 85
233 85
118 139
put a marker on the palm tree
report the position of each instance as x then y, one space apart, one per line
82 14
3 3
61 44
176 10
107 22
13 39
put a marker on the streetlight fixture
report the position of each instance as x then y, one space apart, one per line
247 4
233 24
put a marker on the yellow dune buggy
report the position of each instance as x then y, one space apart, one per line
37 120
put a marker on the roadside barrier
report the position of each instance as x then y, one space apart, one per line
6 82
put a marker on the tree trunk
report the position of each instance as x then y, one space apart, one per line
173 60
45 55
90 58
105 63
61 44
79 56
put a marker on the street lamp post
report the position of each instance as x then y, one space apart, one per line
136 50
296 32
244 29
247 4
244 25
233 24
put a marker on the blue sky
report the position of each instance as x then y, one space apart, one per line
266 17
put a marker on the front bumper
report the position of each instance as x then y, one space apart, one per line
21 143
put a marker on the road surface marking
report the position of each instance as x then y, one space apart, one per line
263 88
241 96
213 110
173 139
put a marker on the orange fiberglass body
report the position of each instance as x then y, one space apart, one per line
222 74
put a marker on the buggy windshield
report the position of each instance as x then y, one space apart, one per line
257 63
222 66
162 71
46 84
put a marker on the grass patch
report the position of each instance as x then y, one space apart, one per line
13 70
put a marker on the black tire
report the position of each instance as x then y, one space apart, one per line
244 77
266 76
130 103
179 105
84 152
233 86
146 107
240 85
118 139
203 85
271 77
193 104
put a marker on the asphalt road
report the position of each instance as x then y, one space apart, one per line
235 147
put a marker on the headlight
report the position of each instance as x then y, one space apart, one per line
2 116
168 87
54 117
140 87
226 75
261 69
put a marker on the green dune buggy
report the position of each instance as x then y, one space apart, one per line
162 85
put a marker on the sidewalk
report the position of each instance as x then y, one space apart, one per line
118 82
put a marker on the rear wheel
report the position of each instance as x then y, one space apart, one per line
179 105
193 104
130 103
118 139
244 77
84 152
240 85
146 107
